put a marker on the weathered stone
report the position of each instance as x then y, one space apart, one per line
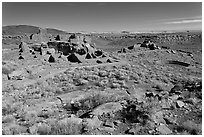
98 61
158 117
163 129
73 58
165 104
88 56
117 123
21 57
51 59
109 124
132 131
74 120
110 107
93 123
180 104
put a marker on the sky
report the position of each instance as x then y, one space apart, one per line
105 16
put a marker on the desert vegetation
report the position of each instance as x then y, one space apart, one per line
137 84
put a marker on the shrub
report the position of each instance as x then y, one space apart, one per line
64 127
13 129
8 119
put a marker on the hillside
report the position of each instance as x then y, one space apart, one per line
19 29
28 29
55 31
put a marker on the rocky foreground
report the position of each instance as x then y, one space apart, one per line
149 90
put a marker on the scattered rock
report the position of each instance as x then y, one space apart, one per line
178 63
110 107
103 56
132 131
163 129
88 56
192 127
93 123
109 61
158 117
172 51
98 61
21 57
177 89
51 59
109 124
117 123
73 58
180 104
98 53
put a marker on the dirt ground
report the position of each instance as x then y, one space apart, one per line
144 92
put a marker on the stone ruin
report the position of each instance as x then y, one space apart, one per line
146 44
76 49
149 44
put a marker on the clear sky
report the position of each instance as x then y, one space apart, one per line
104 16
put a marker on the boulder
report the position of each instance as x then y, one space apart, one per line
36 47
106 108
66 50
87 40
103 56
109 61
98 52
51 51
21 57
51 59
90 48
73 58
93 123
123 50
93 55
152 46
180 104
73 36
23 47
163 129
99 62
21 50
88 56
81 51
132 47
